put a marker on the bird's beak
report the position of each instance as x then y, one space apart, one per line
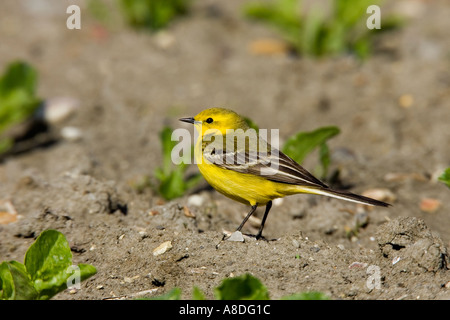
188 120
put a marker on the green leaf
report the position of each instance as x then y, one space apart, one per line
172 180
324 157
301 144
167 145
310 42
197 294
5 144
46 271
86 271
174 294
313 295
47 261
245 287
15 282
173 185
445 177
18 75
193 180
251 124
17 94
152 14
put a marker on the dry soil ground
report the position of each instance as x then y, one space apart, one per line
393 111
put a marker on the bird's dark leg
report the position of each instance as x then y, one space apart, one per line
248 216
266 213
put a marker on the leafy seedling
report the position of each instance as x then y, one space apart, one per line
315 33
301 144
312 295
152 14
174 294
18 100
445 177
172 180
244 287
46 271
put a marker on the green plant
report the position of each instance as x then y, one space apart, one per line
251 124
301 144
174 294
244 287
18 99
100 11
315 33
445 177
46 270
172 180
312 295
152 14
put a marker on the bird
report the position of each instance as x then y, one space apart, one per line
253 173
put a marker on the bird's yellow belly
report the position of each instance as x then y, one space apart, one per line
245 188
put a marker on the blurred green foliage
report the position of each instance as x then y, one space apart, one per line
310 295
172 180
445 177
298 146
152 14
18 99
141 14
315 33
244 287
251 124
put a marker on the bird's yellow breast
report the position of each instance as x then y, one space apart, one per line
245 188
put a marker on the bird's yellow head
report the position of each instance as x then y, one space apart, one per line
217 119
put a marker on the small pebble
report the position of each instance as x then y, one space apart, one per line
236 236
162 248
429 204
195 200
405 101
357 264
164 39
395 260
153 213
71 133
8 213
381 194
188 213
278 202
268 47
56 110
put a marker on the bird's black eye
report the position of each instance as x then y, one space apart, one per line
209 120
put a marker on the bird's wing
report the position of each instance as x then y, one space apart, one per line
268 163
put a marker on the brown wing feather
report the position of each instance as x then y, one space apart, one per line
276 166
288 171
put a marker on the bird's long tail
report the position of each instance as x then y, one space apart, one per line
348 196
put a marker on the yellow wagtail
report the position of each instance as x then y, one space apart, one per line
253 173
